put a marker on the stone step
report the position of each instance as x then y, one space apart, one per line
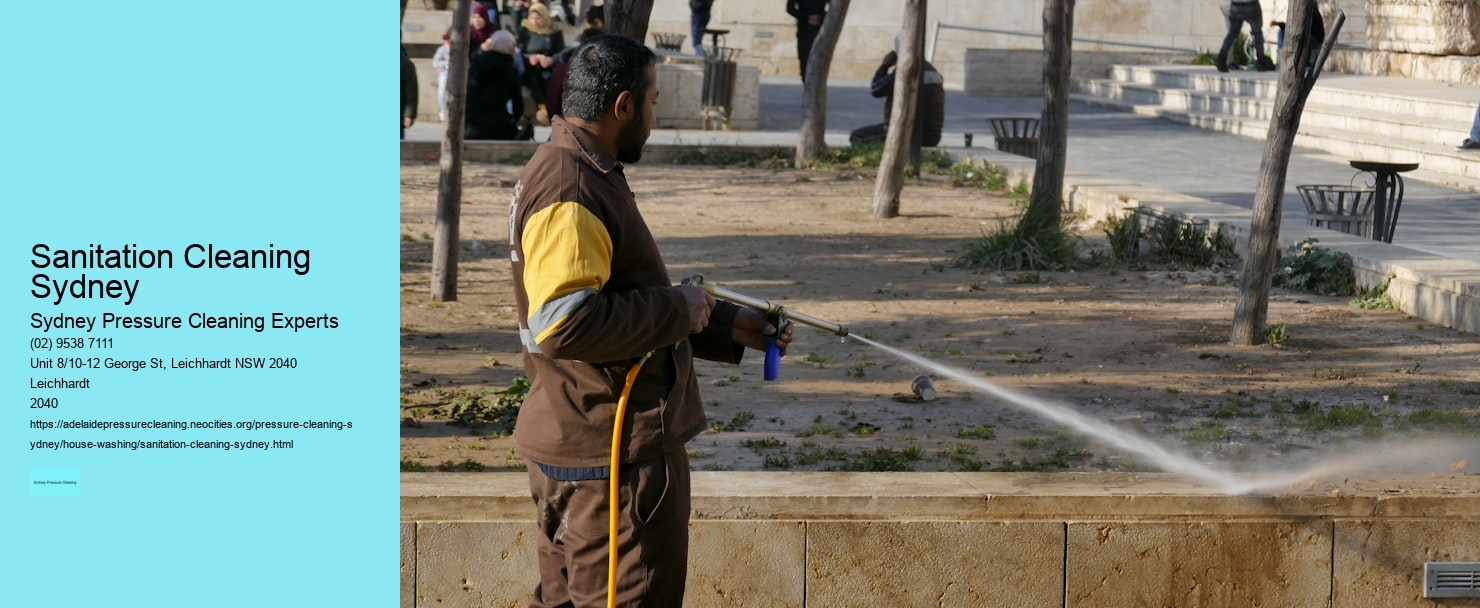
1376 125
1439 164
1419 99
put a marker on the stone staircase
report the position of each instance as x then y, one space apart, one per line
1346 116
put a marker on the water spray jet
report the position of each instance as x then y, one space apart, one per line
1106 431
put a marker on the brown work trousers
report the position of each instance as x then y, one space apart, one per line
653 533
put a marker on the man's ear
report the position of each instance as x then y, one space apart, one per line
622 109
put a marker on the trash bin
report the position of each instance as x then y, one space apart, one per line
1016 135
668 41
1338 207
719 85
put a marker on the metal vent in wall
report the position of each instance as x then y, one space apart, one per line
1451 579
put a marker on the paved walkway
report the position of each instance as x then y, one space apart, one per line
1157 153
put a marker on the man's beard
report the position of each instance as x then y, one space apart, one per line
631 138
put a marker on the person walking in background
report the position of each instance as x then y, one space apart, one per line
1473 142
698 22
809 15
1239 13
408 92
930 102
593 296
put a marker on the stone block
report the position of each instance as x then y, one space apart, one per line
1431 27
475 564
1119 19
751 563
1379 563
1276 563
408 565
935 563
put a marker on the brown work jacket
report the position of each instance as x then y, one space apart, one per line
593 296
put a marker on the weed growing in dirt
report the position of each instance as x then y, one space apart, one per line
1436 420
1341 417
980 431
496 407
963 456
885 459
968 174
811 454
1375 298
1276 335
1008 248
1306 267
777 461
767 443
469 465
819 429
726 156
860 156
739 422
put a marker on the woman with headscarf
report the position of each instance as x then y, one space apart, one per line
482 28
539 43
494 100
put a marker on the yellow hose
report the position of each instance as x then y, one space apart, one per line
612 506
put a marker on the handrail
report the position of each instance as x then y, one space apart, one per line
937 26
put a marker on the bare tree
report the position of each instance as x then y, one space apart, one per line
1295 83
902 113
1046 203
810 141
628 18
449 188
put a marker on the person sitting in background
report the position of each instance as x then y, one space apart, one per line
539 43
482 28
494 99
930 102
1473 143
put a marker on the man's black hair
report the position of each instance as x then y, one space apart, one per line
602 68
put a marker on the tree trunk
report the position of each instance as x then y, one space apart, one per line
811 141
1252 309
628 18
1046 203
902 113
449 188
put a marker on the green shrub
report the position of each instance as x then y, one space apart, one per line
1008 249
1306 267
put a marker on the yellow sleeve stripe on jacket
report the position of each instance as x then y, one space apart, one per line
567 258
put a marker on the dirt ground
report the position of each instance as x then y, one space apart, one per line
1143 349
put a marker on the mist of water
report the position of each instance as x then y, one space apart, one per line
1154 454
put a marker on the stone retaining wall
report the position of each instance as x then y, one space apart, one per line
981 540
